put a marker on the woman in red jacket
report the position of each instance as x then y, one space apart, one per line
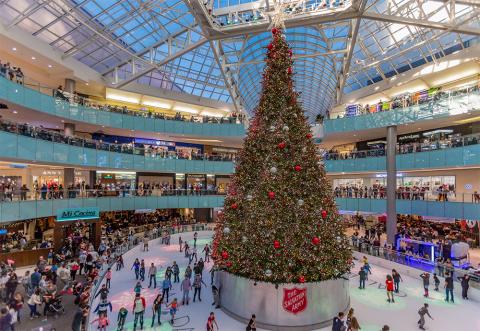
389 286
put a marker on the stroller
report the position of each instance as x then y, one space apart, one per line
55 306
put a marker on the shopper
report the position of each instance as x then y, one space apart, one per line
138 310
426 283
152 275
464 282
157 307
211 322
448 287
251 324
389 287
422 312
396 280
34 300
354 325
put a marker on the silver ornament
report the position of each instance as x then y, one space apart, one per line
273 170
249 198
286 128
304 149
272 128
244 239
339 239
268 273
300 202
226 230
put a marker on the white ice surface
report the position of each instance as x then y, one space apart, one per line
371 307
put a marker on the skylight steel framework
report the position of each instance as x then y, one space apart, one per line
215 48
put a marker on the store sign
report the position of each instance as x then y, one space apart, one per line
3 231
295 300
74 214
154 142
468 186
399 174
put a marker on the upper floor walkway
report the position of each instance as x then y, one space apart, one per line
26 143
398 112
116 117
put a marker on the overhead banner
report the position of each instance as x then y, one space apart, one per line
75 214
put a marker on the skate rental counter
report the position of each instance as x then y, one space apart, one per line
84 219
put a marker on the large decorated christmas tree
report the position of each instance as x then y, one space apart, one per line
280 223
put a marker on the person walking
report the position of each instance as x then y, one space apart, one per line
34 300
186 286
422 312
396 280
362 277
152 275
426 283
389 287
464 282
197 286
211 322
448 287
157 307
251 326
138 310
166 287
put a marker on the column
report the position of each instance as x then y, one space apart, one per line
68 177
70 85
92 178
391 184
69 129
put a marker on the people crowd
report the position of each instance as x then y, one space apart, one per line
441 193
12 73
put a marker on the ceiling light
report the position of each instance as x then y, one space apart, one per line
376 88
123 98
185 110
63 121
86 84
14 49
50 66
157 104
203 140
15 112
34 58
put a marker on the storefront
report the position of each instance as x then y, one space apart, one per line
116 179
78 221
196 181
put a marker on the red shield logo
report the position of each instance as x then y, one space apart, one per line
295 300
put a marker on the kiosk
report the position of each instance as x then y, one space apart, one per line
66 218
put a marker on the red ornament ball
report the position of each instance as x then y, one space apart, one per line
228 264
309 136
289 70
290 52
276 244
234 205
270 46
225 255
298 168
275 31
301 279
282 145
271 195
324 214
315 240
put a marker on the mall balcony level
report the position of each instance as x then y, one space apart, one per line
29 144
18 94
416 109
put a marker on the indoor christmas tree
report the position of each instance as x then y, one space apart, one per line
280 223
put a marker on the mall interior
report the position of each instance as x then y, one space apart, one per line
122 124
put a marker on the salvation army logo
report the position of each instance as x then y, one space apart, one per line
295 300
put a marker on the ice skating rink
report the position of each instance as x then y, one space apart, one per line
371 306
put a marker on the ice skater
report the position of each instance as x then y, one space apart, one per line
362 277
422 312
396 280
157 309
389 286
122 316
436 281
426 283
138 310
136 268
448 287
464 283
173 309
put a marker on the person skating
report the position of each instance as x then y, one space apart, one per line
389 287
136 268
422 312
195 237
426 283
138 310
464 282
108 277
436 281
180 242
157 309
186 286
176 272
152 273
197 285
102 307
166 287
396 280
251 326
103 322
206 250
173 309
211 322
142 270
168 273
448 287
368 269
103 292
216 297
138 288
339 322
122 316
362 277
145 243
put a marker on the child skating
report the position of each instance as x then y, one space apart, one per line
173 310
122 316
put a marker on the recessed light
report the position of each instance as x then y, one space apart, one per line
63 121
14 49
56 126
86 84
132 130
50 66
15 112
34 58
419 128
103 126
